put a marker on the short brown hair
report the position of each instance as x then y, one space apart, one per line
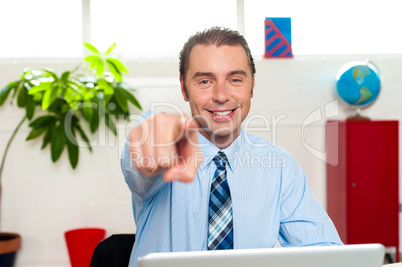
214 36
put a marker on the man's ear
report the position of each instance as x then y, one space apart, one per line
252 89
183 89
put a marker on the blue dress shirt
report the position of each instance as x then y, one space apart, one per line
271 201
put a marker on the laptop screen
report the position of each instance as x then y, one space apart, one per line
365 255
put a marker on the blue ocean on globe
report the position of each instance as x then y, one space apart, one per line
358 83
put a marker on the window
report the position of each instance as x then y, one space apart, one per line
158 28
330 27
40 28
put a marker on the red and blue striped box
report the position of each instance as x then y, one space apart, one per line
278 39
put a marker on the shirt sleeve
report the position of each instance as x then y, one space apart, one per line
142 187
303 221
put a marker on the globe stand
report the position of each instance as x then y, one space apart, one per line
358 116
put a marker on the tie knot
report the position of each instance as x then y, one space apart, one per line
220 160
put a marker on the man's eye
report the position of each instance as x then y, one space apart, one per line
236 80
204 82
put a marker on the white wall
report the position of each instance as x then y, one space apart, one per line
42 200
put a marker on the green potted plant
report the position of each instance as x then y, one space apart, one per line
92 92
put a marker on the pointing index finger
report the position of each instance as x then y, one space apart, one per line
188 152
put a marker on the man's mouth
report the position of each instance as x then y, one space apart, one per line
222 115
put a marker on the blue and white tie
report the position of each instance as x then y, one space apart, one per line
220 232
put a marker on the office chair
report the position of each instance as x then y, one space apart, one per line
113 251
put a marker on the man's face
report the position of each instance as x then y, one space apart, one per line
219 86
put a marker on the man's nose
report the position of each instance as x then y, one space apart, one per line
221 92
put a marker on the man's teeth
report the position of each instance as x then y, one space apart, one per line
222 113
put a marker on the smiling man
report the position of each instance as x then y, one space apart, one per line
218 84
201 182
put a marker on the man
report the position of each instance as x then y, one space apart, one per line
200 182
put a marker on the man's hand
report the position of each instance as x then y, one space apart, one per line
166 141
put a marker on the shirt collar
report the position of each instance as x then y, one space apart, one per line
209 150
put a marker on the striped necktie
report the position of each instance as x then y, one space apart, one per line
220 230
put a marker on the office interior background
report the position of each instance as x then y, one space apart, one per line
41 200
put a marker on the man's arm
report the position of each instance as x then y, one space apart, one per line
141 186
304 222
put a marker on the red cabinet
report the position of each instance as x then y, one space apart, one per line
362 181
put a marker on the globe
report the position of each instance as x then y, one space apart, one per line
358 83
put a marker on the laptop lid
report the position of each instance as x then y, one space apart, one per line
367 255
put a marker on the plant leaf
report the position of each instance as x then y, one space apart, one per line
109 123
43 122
58 141
88 95
77 87
73 152
114 109
100 67
121 99
107 88
6 91
47 137
37 97
94 123
110 49
35 133
116 73
22 96
83 135
39 88
131 98
87 110
52 74
72 145
69 96
49 97
30 107
65 76
91 48
118 64
18 87
93 59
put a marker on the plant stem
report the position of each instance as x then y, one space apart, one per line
76 68
8 146
5 155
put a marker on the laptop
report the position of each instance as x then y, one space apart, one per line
365 255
